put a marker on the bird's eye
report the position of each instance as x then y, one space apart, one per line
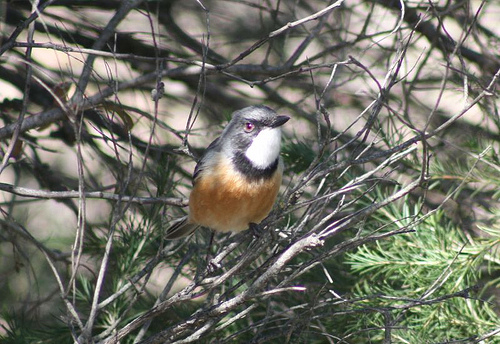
249 127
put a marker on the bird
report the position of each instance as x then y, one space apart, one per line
236 181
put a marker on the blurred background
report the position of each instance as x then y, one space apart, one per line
386 229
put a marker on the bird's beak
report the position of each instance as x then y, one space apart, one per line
279 121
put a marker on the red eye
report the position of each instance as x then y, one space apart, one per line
249 127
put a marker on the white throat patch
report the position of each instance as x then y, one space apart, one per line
265 148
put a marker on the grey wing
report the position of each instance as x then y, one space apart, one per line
180 228
202 163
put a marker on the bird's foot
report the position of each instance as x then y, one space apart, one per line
256 230
212 266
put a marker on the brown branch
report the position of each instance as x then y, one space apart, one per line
278 32
32 193
485 62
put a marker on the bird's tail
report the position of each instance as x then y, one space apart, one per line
180 228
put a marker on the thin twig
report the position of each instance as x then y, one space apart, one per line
33 193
